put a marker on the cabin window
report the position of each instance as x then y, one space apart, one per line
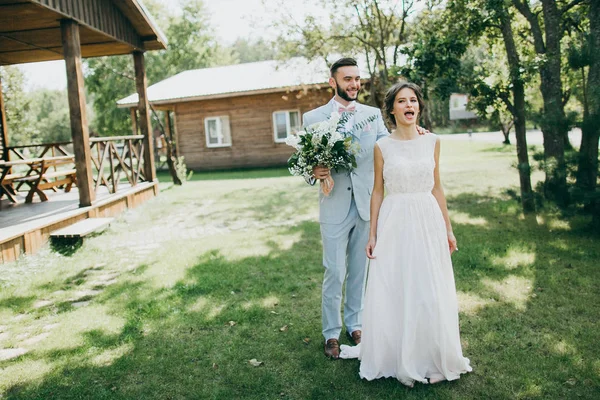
285 123
218 132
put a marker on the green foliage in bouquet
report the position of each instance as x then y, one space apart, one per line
325 144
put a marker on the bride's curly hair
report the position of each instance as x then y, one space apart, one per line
390 98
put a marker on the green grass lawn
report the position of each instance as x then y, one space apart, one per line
175 298
256 173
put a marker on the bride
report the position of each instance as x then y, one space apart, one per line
410 318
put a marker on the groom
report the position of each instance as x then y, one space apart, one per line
344 214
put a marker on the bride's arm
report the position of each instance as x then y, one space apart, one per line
438 193
376 199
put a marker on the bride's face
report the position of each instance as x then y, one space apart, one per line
406 107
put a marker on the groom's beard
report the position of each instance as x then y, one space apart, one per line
340 92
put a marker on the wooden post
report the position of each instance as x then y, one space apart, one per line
144 113
3 127
79 126
134 122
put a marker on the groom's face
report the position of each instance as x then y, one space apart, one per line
346 82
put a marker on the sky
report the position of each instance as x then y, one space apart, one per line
230 18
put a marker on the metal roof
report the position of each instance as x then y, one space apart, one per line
235 80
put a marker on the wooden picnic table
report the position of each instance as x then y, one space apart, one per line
6 177
35 175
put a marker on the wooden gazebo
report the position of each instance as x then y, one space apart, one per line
42 30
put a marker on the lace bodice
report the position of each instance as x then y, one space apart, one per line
408 164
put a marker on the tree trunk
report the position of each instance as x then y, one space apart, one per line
587 172
374 92
426 116
506 130
171 160
527 199
554 123
166 132
518 111
506 135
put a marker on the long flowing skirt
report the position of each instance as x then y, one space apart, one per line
410 317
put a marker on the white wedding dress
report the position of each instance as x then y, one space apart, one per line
410 317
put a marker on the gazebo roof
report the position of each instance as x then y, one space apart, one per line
30 29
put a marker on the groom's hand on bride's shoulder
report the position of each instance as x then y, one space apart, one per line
421 130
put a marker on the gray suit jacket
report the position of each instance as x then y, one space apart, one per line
334 208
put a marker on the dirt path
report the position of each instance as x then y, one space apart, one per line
534 137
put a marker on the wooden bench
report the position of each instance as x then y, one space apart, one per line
82 228
40 177
6 185
11 170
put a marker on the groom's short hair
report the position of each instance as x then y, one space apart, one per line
342 62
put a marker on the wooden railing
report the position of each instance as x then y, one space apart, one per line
117 159
28 151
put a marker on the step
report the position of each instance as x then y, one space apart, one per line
82 228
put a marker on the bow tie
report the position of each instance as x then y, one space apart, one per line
351 108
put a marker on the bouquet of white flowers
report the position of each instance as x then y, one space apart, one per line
322 144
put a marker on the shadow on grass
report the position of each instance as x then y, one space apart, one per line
66 246
528 324
76 279
535 279
17 304
248 173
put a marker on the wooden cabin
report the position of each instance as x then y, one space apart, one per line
238 116
110 173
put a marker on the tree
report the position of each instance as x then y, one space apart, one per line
191 46
109 79
50 109
437 44
587 173
517 106
501 88
41 116
502 118
376 29
547 29
19 121
245 50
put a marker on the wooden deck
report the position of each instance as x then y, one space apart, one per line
25 228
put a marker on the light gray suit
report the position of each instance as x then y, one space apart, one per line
344 216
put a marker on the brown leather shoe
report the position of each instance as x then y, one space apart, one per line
355 336
332 349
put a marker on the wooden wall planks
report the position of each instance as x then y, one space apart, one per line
251 119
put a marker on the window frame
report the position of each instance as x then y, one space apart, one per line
220 137
288 126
